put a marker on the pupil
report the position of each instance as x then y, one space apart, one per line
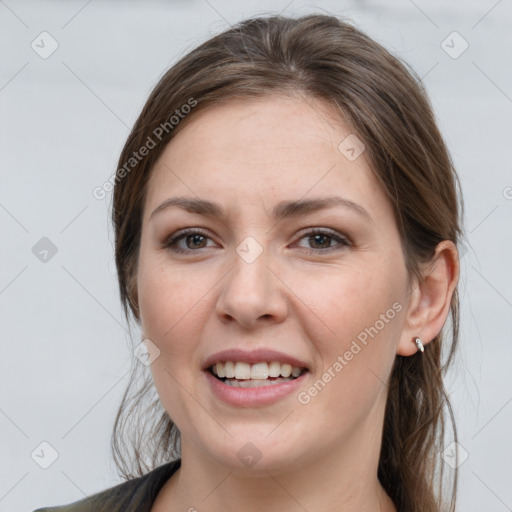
195 238
320 236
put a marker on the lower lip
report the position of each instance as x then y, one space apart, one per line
247 397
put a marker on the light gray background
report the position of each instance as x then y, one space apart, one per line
65 351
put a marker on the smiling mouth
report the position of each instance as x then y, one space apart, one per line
245 375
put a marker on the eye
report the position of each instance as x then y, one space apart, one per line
323 238
197 241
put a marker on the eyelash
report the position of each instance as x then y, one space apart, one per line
343 241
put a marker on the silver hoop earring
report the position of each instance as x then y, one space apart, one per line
419 344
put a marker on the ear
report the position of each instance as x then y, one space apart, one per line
429 300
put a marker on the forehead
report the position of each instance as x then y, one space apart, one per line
254 129
271 148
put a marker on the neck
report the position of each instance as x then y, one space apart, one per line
323 486
343 479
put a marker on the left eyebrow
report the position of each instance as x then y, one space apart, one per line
284 209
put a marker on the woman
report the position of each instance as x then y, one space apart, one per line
286 218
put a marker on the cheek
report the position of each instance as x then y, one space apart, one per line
168 297
362 314
169 302
349 301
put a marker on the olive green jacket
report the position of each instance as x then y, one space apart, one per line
136 495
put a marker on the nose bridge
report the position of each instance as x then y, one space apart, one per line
251 291
249 279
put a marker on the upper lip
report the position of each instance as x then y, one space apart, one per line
252 356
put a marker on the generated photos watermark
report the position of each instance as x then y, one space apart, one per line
100 192
304 397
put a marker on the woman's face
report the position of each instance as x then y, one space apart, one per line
268 289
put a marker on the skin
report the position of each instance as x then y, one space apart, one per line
248 155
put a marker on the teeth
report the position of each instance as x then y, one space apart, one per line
242 370
274 369
254 383
229 369
296 371
259 371
286 370
219 370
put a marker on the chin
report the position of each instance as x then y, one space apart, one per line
258 457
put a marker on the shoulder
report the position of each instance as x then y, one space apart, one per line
137 494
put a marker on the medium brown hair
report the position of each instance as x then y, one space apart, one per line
385 103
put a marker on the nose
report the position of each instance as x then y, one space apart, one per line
252 295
